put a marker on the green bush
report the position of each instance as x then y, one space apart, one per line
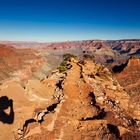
63 66
67 56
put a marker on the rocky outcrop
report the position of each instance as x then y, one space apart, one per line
85 102
129 76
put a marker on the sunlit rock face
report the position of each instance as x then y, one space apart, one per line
129 76
83 102
19 63
95 96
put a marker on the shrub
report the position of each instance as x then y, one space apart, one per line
63 66
67 56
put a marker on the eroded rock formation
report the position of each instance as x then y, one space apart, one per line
19 63
84 102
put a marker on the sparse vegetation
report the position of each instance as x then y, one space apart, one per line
64 66
67 56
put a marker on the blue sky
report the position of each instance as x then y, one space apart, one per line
62 20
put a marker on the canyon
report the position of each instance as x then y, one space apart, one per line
70 90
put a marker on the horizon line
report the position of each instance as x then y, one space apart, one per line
76 40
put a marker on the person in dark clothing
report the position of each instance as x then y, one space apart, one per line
5 103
